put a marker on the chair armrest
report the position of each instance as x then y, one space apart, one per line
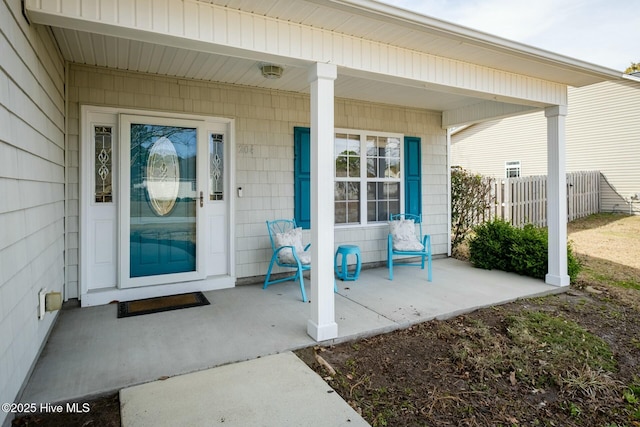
426 242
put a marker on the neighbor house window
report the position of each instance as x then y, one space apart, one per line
512 169
368 176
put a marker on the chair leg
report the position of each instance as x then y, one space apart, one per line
428 247
266 279
301 277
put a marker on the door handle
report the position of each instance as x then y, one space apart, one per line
201 199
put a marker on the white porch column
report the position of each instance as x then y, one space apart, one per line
557 196
322 325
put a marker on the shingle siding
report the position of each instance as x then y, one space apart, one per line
264 122
32 189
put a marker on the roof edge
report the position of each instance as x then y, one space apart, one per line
385 11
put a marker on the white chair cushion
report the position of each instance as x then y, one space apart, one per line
293 238
403 235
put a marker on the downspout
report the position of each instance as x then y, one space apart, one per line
449 191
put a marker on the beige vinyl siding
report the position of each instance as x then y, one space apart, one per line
264 122
32 189
602 133
484 148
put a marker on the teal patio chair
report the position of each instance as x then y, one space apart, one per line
403 241
288 252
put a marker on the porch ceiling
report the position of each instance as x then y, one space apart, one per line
125 54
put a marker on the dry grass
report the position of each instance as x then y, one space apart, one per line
608 246
611 237
563 360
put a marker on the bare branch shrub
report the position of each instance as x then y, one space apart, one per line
471 197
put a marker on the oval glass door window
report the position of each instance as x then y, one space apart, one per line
163 176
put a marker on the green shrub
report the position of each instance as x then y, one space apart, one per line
497 244
528 254
492 240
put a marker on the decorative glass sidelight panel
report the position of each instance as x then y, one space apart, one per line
216 166
103 164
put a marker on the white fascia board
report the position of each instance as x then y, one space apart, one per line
474 37
631 77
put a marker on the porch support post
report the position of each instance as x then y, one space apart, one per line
557 196
322 325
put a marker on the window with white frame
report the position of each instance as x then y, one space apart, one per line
512 169
368 176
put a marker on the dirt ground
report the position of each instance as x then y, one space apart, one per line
565 360
103 412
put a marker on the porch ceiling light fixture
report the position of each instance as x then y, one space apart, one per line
271 71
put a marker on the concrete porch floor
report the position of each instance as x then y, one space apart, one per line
91 351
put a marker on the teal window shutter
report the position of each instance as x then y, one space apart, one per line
412 175
302 176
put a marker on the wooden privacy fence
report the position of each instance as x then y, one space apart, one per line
523 201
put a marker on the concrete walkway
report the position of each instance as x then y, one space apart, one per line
273 391
92 352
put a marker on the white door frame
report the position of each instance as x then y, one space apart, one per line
105 293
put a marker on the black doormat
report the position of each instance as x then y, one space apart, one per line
159 304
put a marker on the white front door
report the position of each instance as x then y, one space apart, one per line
155 205
161 209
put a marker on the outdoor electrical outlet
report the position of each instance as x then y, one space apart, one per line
42 299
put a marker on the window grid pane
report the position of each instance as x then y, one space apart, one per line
383 157
383 199
512 169
103 164
347 202
379 163
347 155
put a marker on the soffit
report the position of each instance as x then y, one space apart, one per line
132 55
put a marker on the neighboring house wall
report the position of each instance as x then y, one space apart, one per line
603 133
484 148
264 122
32 191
